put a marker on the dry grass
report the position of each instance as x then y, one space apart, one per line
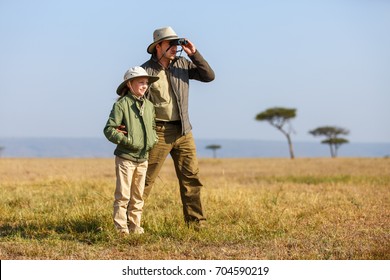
257 209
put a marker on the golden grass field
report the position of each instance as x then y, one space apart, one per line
276 209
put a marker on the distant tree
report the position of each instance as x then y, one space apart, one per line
1 150
332 137
214 148
278 117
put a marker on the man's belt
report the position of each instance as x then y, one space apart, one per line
162 123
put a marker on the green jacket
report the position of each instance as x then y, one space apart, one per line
180 71
140 126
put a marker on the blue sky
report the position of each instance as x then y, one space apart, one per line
61 61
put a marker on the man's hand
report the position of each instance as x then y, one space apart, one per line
122 129
189 48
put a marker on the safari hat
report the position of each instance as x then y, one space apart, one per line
161 34
132 73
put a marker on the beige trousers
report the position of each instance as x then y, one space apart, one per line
128 204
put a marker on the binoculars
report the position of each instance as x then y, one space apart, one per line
178 42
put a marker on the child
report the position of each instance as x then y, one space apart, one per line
136 114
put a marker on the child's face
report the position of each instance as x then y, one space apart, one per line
138 86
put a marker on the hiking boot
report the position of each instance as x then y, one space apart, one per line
137 230
123 232
197 225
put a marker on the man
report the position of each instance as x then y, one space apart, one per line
170 98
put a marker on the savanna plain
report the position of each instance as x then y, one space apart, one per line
276 209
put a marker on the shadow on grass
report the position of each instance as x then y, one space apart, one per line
88 231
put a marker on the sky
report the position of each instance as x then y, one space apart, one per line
61 62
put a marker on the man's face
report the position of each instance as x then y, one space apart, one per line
162 50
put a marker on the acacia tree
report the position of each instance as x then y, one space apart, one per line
214 148
331 133
278 117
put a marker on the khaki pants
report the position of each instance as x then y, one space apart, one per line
183 151
128 204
